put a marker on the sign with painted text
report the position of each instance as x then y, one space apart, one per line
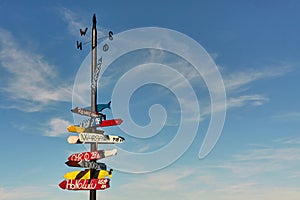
93 155
85 112
94 138
99 138
80 184
87 164
92 122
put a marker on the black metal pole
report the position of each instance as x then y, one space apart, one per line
94 146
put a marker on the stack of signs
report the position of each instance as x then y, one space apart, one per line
95 176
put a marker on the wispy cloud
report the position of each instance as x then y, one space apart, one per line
238 80
288 116
26 192
255 100
166 180
260 160
32 81
57 127
289 140
74 22
237 85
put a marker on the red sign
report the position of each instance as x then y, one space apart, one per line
94 155
89 184
111 122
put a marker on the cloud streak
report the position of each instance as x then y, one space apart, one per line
260 160
32 82
26 192
75 23
72 20
57 127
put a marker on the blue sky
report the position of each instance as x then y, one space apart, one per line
253 43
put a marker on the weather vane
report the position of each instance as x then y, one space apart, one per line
83 34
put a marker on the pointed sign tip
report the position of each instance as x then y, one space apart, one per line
63 184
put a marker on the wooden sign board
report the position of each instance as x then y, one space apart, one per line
95 138
93 155
86 174
111 122
87 164
80 184
77 129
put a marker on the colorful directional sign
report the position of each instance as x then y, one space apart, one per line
85 112
77 129
95 138
99 138
111 122
92 122
86 174
94 155
87 164
81 184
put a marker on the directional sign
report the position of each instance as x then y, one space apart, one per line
72 139
94 155
111 122
100 138
87 164
80 184
86 174
92 122
85 112
77 129
94 138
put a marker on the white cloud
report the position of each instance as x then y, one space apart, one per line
254 191
163 181
260 160
289 140
20 193
75 23
32 82
57 127
201 182
255 100
289 116
235 81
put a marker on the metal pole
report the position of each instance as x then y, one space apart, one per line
94 146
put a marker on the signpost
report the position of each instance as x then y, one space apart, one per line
93 177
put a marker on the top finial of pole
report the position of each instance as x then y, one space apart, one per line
94 21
